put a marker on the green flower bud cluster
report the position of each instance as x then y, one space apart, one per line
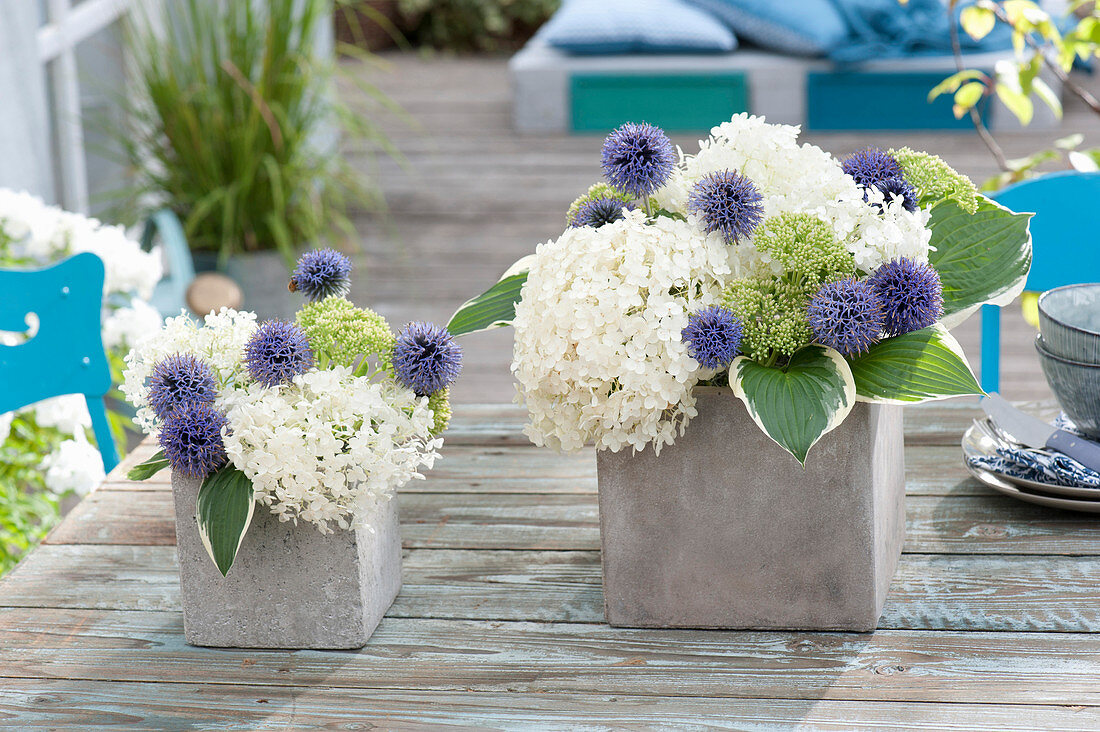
342 332
773 316
806 248
935 180
440 404
596 191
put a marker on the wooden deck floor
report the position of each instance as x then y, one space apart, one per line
991 621
473 196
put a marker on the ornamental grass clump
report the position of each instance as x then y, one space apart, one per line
230 121
804 282
320 420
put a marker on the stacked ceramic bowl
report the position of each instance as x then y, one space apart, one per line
1069 351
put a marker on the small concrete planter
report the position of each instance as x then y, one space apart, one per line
726 530
290 586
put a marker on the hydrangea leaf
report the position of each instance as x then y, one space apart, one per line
225 508
149 468
797 405
496 306
981 258
916 367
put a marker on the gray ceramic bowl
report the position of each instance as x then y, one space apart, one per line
1076 386
1069 319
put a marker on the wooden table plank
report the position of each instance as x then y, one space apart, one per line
65 703
929 592
537 658
992 613
986 523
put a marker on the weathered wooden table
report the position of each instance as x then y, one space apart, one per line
991 622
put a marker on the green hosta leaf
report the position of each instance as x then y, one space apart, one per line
916 367
797 405
982 257
149 468
496 306
225 508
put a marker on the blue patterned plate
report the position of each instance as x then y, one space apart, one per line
1002 485
1036 471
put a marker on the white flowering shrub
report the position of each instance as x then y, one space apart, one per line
319 421
803 282
44 449
598 353
330 446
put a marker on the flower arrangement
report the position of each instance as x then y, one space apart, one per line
317 420
45 451
804 282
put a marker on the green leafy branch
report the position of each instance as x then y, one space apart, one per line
1039 44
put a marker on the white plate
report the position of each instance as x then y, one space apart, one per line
974 444
1000 484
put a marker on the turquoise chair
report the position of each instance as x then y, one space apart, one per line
66 354
1065 240
170 295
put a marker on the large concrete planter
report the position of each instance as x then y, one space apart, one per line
262 277
726 530
290 586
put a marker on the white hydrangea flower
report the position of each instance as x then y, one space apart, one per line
68 413
75 466
219 342
47 234
795 178
598 352
5 426
328 448
127 326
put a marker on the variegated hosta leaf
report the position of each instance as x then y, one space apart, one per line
797 405
496 306
149 468
916 367
981 258
225 508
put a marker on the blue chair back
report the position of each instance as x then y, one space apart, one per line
170 295
1065 245
66 355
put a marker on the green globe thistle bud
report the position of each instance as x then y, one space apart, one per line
343 332
935 180
807 249
440 404
773 317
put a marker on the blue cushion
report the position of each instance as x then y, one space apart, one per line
635 26
805 28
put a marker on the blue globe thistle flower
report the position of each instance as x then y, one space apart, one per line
846 315
729 203
898 188
638 159
911 293
426 358
277 352
597 212
191 437
871 165
322 273
178 380
713 336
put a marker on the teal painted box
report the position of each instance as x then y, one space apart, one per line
674 102
881 100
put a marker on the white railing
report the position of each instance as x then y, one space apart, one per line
66 27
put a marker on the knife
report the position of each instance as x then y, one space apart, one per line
1034 432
